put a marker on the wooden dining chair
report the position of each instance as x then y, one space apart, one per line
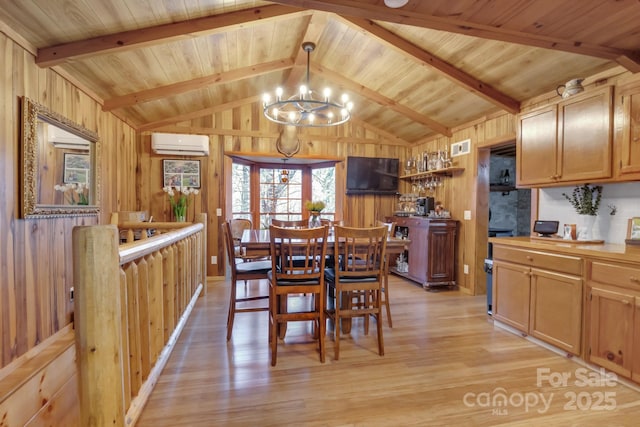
391 227
238 226
359 273
291 223
288 277
247 271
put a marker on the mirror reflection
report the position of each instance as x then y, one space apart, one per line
60 168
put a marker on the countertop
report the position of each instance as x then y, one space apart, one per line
611 251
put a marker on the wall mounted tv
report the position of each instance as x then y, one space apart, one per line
372 175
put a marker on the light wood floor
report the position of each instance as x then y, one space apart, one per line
444 364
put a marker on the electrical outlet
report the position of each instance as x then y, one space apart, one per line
466 269
71 295
214 259
467 214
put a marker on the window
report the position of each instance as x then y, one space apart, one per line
271 198
241 190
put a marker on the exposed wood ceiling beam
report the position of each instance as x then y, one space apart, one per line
628 59
458 76
314 30
54 55
194 84
195 114
380 99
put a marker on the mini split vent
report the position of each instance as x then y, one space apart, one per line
460 148
180 144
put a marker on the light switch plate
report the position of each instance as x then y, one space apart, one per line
214 259
467 214
219 212
466 269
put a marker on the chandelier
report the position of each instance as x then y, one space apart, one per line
306 108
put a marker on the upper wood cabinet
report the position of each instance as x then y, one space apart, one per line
629 153
570 142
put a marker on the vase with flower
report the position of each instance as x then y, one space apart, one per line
179 202
314 208
585 199
75 193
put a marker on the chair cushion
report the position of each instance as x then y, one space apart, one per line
330 276
253 267
292 281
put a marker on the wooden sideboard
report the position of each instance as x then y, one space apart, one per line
583 299
431 252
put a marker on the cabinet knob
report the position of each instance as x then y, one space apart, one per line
633 279
610 356
626 302
529 258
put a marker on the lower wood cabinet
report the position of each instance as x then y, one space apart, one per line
431 253
614 317
543 303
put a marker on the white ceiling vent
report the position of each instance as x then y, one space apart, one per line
180 144
460 148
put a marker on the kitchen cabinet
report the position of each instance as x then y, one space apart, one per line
629 153
540 294
431 252
568 142
614 314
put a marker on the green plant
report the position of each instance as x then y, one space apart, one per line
179 203
585 199
315 206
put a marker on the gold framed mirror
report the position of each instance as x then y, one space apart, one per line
60 167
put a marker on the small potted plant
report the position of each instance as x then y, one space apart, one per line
585 199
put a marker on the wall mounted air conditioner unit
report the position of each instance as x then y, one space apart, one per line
60 138
180 144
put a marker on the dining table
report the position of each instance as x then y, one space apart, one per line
256 243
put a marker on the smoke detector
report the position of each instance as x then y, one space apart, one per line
394 4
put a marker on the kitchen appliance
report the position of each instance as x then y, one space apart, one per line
488 263
424 205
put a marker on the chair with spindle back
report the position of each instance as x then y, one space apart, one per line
391 226
247 271
358 274
289 277
291 223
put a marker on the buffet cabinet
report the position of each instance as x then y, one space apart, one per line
431 250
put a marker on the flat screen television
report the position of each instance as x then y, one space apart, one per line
372 175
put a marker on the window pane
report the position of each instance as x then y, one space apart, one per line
241 191
323 187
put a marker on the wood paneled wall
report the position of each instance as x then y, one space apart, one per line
244 129
36 271
469 191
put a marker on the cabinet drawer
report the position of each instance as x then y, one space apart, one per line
562 263
614 274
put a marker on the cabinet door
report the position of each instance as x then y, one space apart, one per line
611 334
556 309
511 294
630 144
418 253
536 153
441 260
586 136
635 374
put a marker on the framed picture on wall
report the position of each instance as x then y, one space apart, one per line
633 230
181 173
76 168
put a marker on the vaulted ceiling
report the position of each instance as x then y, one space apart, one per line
412 72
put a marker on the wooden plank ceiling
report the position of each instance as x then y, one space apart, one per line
413 72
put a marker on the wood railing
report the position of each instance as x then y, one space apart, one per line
131 303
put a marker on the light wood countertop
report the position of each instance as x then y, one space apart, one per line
614 252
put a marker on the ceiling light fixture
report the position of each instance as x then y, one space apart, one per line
394 4
306 108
